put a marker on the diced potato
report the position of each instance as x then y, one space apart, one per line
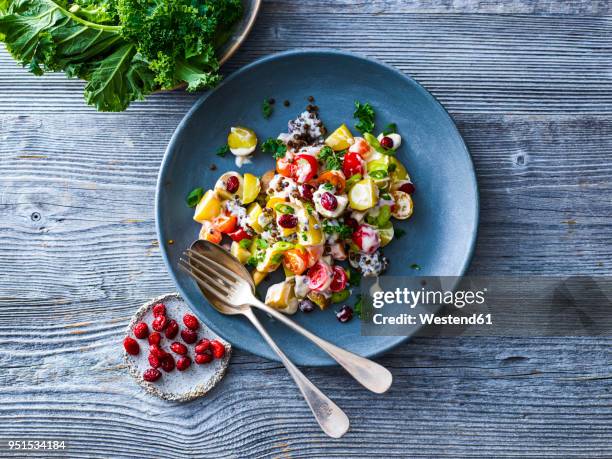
208 207
363 195
340 139
220 187
250 188
253 212
258 276
400 172
319 299
280 295
271 261
313 235
240 253
273 201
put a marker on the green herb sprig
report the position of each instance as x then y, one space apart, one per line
331 158
274 147
364 114
194 197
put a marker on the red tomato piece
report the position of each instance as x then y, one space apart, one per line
225 223
319 276
285 167
360 146
296 260
239 235
339 280
306 167
353 164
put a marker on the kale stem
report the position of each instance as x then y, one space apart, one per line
92 25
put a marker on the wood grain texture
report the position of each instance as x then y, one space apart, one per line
529 86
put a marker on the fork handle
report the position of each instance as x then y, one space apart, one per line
332 419
371 375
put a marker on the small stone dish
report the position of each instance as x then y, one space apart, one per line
180 386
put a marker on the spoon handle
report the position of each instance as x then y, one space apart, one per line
371 375
332 419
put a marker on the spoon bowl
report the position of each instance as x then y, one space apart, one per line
227 260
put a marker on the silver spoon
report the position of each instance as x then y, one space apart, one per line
215 287
230 289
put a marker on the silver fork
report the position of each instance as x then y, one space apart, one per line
222 279
330 417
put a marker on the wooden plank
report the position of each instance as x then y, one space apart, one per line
475 63
91 179
528 83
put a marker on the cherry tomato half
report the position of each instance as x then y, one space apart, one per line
305 168
296 260
336 178
209 233
225 223
319 276
339 280
360 146
285 167
353 164
239 235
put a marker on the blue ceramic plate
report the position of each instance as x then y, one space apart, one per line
439 237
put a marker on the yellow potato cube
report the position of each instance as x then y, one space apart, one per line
279 295
258 276
208 207
253 213
363 195
340 139
241 254
251 188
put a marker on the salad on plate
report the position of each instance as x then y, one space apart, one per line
330 201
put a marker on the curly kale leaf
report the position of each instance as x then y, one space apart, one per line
125 49
45 36
178 37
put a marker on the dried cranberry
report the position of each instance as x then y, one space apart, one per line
131 346
217 348
349 221
287 221
159 310
183 363
201 359
232 184
178 348
172 329
202 346
306 191
306 305
159 323
345 314
151 375
386 142
189 336
141 330
154 361
167 363
157 351
329 201
407 188
191 322
154 338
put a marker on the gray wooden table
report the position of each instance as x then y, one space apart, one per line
530 86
